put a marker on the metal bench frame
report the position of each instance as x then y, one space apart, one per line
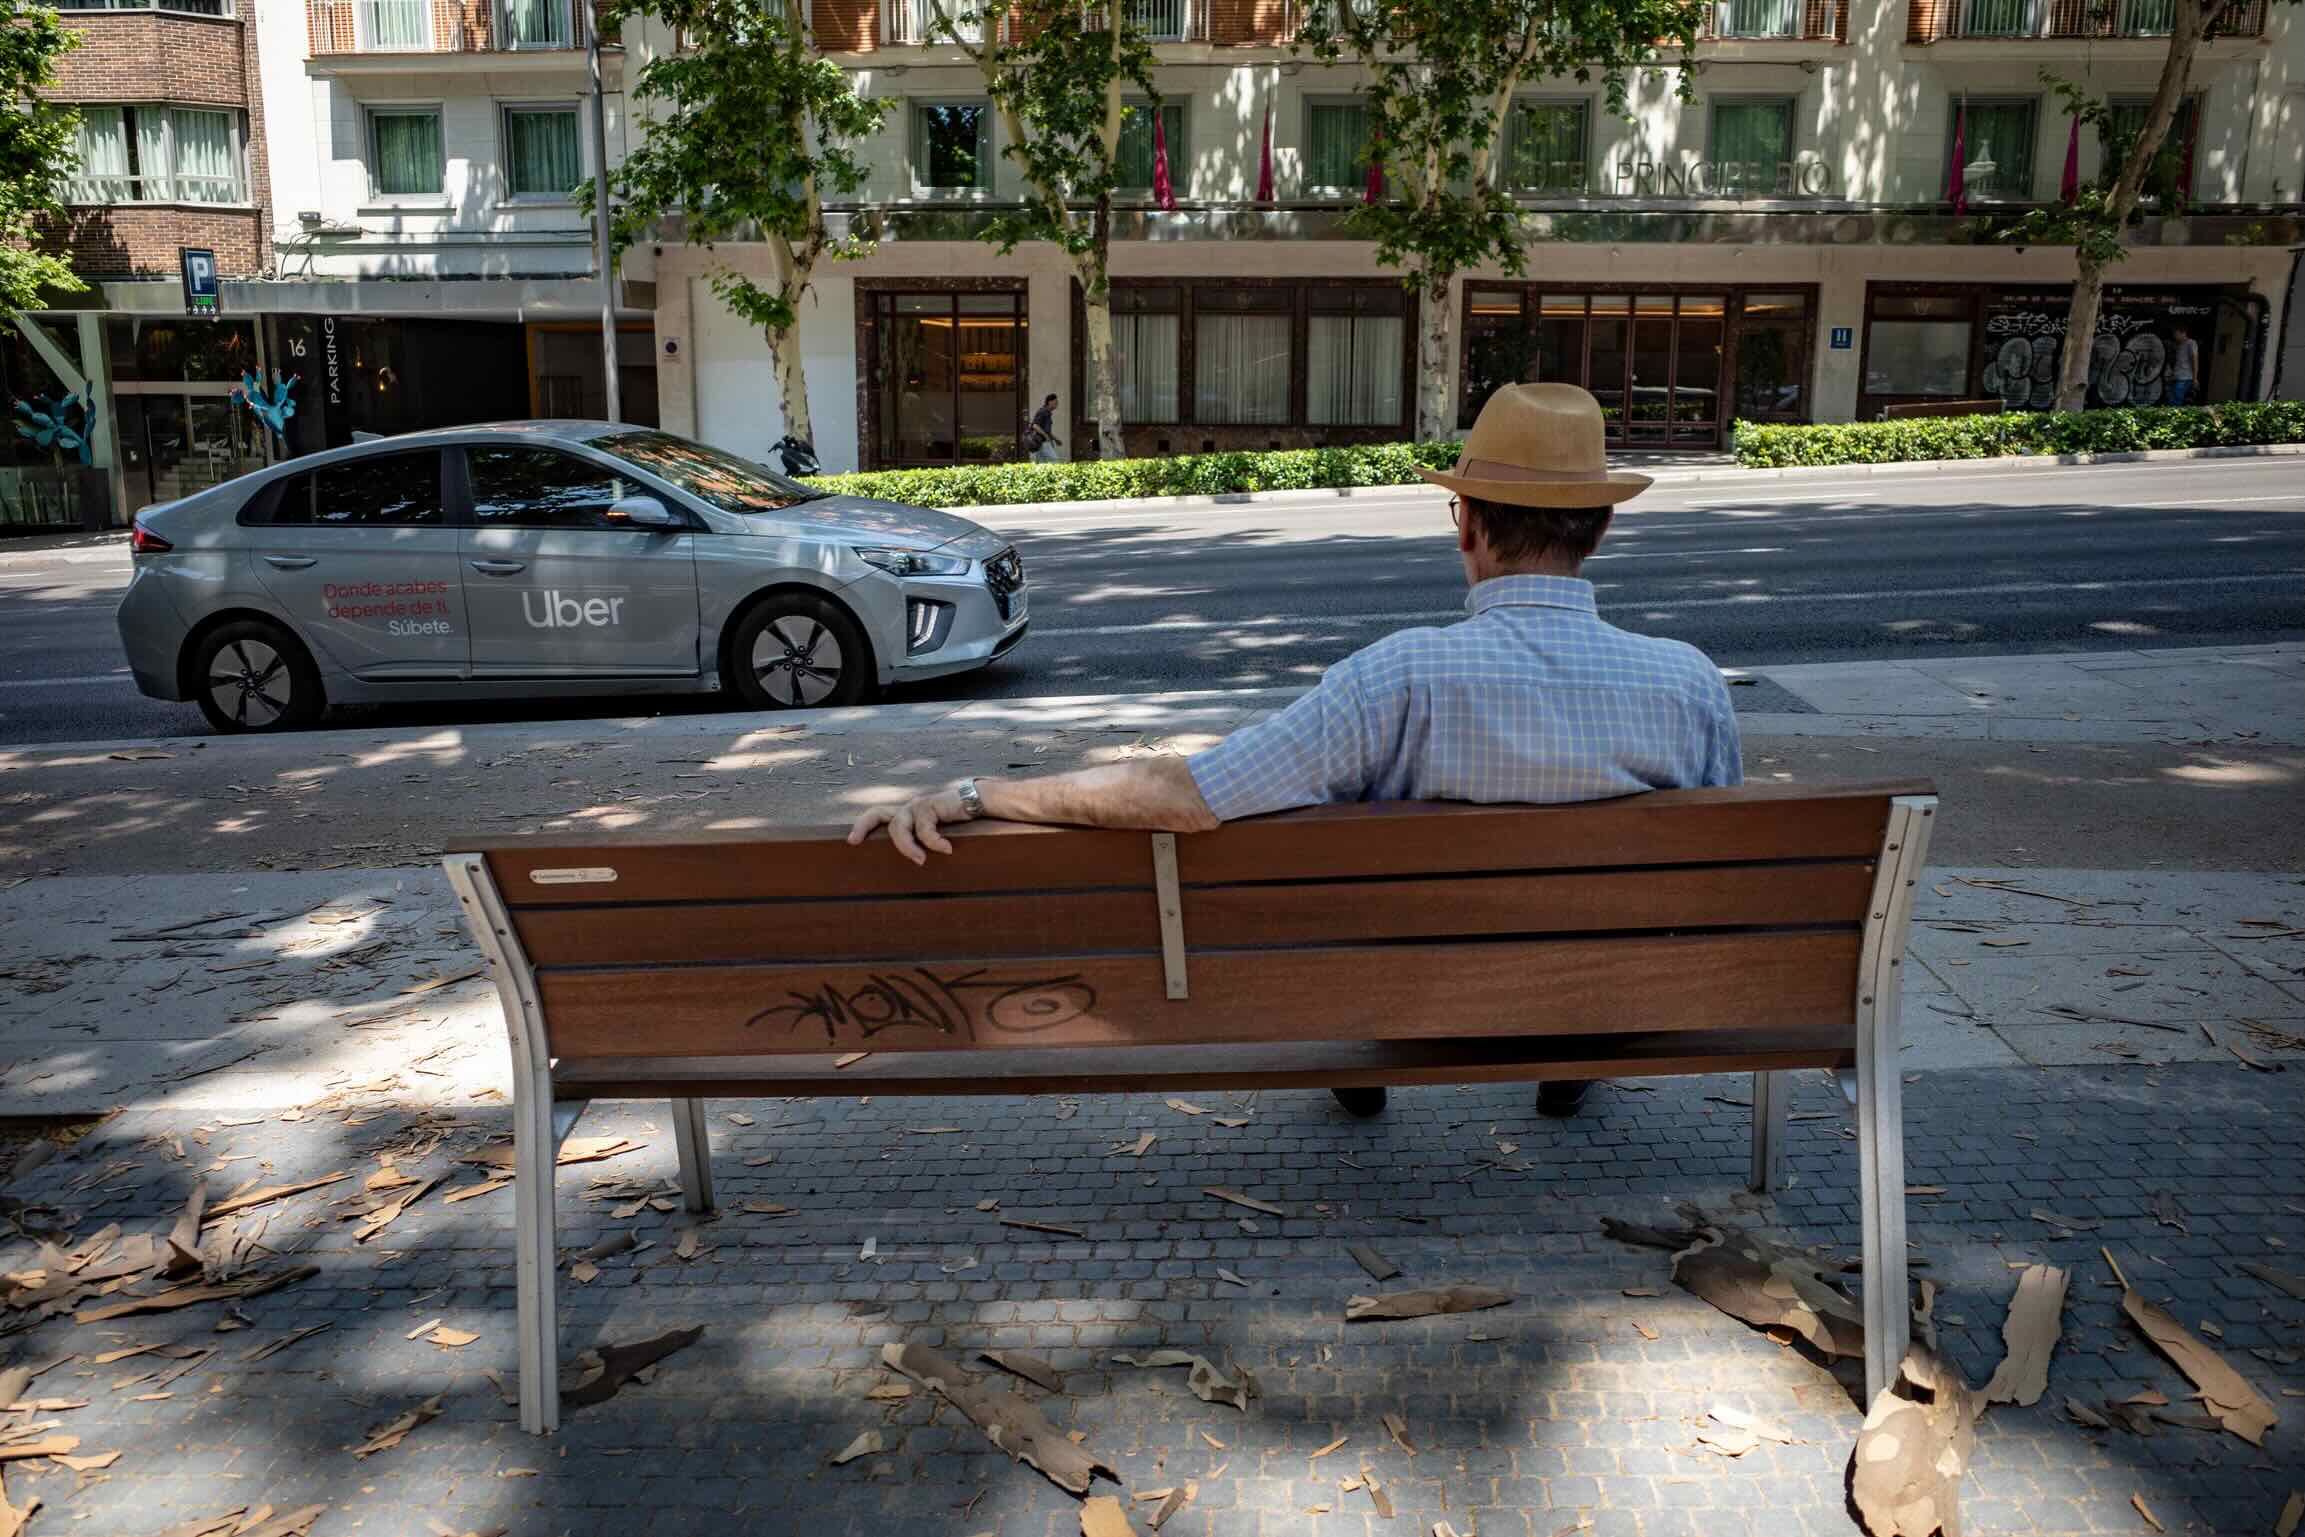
541 1122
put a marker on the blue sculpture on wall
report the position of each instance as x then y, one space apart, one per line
46 425
274 407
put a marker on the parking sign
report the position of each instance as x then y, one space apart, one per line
201 291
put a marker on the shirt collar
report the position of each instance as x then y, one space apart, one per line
1571 592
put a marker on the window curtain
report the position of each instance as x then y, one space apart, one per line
2003 135
1546 148
1336 148
1241 370
1754 133
395 24
1353 370
207 171
407 153
154 184
104 169
1759 18
1133 155
537 23
1145 355
540 154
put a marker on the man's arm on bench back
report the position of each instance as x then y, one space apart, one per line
1149 794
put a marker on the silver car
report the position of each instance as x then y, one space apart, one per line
549 558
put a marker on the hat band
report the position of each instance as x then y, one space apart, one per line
1497 469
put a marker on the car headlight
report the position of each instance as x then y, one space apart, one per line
913 562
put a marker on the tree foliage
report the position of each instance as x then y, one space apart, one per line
39 147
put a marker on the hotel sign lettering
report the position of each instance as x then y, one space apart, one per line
1631 177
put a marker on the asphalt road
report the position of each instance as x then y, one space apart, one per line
1137 600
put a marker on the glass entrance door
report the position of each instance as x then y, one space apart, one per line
948 374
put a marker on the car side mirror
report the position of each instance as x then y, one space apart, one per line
643 512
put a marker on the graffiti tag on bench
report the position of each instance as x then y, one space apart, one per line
956 1004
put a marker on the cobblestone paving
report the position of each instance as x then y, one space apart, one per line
1527 1419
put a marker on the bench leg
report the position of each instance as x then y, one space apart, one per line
536 1255
1771 1093
695 1153
1881 1156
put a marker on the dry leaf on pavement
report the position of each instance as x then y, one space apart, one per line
1398 1429
1251 1202
186 1296
1174 1501
2036 1319
863 1446
2294 1285
1738 1419
1101 1516
1771 1286
1136 1149
450 1339
1008 1421
389 1435
269 1193
1030 1367
1378 1267
2291 1513
2146 1511
599 1373
884 1392
1208 1384
2224 1391
1913 1450
1426 1303
1186 1107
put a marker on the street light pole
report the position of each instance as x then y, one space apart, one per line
601 255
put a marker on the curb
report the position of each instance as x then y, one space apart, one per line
1665 477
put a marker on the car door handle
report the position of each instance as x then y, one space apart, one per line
499 567
291 562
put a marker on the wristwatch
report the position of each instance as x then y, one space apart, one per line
971 799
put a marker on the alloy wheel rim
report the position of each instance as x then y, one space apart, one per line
797 660
248 681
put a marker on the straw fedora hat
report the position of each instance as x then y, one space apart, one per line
1539 445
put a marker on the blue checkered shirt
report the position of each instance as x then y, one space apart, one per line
1533 699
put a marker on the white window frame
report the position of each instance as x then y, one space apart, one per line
916 147
501 19
140 178
363 32
504 114
2028 193
377 196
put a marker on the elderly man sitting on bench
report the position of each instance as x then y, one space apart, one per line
1532 699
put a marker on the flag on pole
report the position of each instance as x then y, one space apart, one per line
1265 160
2070 187
1957 185
1163 193
1374 192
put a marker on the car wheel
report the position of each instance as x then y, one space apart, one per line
795 651
254 676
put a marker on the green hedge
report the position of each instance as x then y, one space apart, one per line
1772 446
1097 480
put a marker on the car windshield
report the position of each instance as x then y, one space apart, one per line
727 482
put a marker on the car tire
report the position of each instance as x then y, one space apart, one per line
798 651
251 675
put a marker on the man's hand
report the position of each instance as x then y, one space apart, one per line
912 827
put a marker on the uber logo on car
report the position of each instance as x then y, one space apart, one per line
552 609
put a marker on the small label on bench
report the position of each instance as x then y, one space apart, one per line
583 875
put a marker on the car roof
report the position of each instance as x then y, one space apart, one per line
570 430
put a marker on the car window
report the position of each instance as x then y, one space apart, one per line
727 482
543 488
380 491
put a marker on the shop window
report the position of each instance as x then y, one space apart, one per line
1545 147
541 158
159 154
2171 177
172 349
1772 356
1133 155
1354 343
541 488
1750 138
1147 330
1336 147
404 152
1918 344
1242 355
952 146
1496 347
1996 147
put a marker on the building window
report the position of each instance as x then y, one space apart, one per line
393 26
1772 348
2148 18
538 24
2001 18
1750 138
1147 325
404 158
1133 156
1545 147
1241 342
541 159
1353 345
1918 344
2171 176
1336 147
1757 18
155 154
952 146
1996 147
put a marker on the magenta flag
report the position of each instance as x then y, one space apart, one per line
1374 192
1163 193
1957 186
1265 161
2070 187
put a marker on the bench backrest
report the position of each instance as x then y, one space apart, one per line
1678 910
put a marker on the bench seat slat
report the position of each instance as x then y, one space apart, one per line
1087 922
1315 992
1139 1069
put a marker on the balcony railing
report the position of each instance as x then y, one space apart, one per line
444 26
1161 21
1776 20
1938 20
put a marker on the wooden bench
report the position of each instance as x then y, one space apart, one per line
1916 408
1687 931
